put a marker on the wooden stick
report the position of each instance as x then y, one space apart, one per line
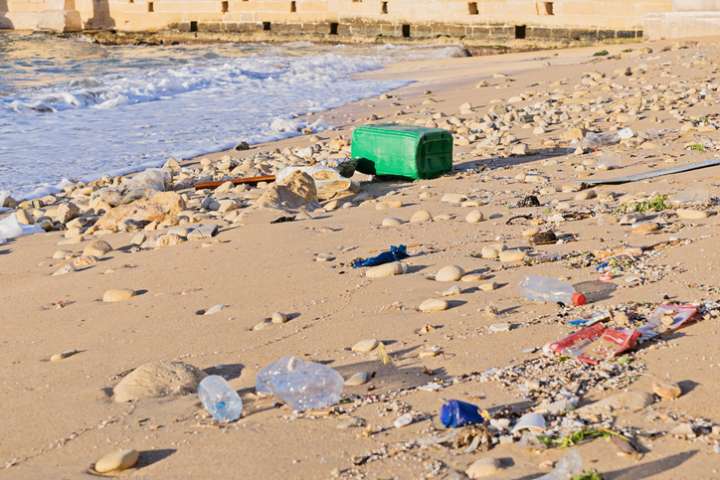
234 181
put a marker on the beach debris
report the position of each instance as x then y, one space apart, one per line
456 414
394 254
653 174
300 384
158 379
538 288
219 399
566 468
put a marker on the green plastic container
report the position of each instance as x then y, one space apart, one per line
402 151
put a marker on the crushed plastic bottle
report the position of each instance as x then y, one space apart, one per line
545 289
302 385
597 140
455 413
566 468
219 399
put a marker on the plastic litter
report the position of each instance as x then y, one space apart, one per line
567 467
10 228
596 317
652 174
545 289
535 422
395 254
596 343
455 413
219 399
596 140
302 385
667 317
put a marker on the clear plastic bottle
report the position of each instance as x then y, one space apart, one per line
302 385
545 289
566 468
220 399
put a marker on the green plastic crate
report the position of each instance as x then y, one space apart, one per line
402 151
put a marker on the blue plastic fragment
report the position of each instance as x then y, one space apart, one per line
454 414
393 255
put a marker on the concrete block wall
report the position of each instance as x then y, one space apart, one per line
423 18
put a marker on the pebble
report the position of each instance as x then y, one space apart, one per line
455 198
118 295
158 379
483 468
98 248
512 256
63 355
500 327
433 305
391 222
690 214
488 286
667 391
356 379
261 326
476 216
645 228
403 420
214 309
585 195
386 270
449 273
489 253
473 277
279 317
365 346
451 292
117 460
421 216
61 255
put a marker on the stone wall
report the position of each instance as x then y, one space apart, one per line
501 19
689 18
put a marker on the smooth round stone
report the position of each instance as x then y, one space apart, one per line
487 287
433 305
365 346
118 295
391 222
386 270
357 379
645 228
512 256
331 206
393 203
585 195
489 253
484 468
57 357
157 380
83 262
279 317
455 198
98 248
691 214
421 216
472 278
476 216
116 461
443 217
261 326
450 273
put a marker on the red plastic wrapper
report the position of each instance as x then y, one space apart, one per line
596 343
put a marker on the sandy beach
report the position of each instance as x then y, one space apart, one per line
515 118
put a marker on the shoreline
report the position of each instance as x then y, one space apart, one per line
67 349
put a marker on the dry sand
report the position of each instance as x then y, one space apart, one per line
57 417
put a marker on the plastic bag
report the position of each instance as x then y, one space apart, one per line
9 228
395 254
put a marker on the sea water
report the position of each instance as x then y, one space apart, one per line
74 110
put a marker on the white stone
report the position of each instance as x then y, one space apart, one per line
117 460
386 270
433 305
158 379
118 295
421 216
449 273
357 379
476 216
483 468
365 346
391 222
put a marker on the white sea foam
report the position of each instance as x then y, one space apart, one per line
120 114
